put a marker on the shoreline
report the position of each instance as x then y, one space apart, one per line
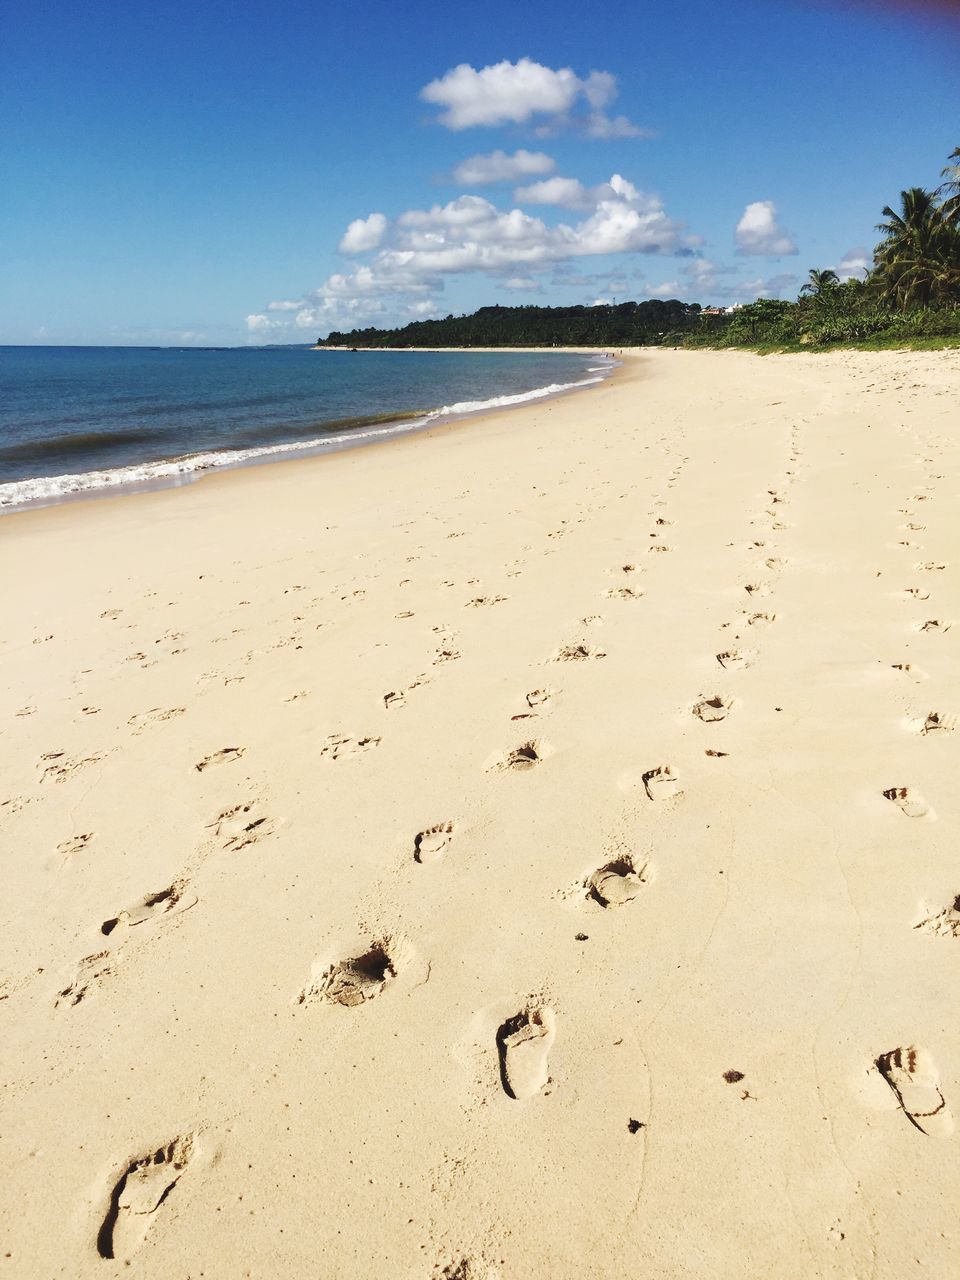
182 470
553 824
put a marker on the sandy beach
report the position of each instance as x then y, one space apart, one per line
524 849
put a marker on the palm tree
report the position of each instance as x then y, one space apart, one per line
820 282
951 205
918 261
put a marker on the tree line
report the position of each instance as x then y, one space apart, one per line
624 324
911 294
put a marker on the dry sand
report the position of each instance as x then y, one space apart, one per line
529 849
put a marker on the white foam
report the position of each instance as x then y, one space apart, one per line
46 489
501 402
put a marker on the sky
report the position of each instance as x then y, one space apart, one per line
194 174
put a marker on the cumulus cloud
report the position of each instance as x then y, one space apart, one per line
363 234
855 264
770 287
522 284
515 92
500 167
423 247
423 309
569 193
599 125
759 232
263 324
669 289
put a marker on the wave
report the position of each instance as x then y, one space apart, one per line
44 489
501 402
76 442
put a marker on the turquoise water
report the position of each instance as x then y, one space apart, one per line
82 419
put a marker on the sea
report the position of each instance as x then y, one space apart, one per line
80 421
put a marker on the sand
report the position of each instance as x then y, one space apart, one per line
525 849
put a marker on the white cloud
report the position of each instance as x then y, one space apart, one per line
423 309
759 232
363 234
504 93
567 192
499 167
570 193
522 284
514 92
600 89
262 323
669 289
422 247
855 264
762 287
599 125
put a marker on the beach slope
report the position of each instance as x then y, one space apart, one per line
525 849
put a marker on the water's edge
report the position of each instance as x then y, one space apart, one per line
44 491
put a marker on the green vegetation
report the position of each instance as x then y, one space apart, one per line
911 297
629 324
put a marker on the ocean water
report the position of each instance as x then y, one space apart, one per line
76 420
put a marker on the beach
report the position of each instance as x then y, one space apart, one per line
525 848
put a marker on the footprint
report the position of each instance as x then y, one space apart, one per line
465 1269
912 1075
935 722
432 844
622 593
577 653
446 655
931 566
75 844
935 625
339 746
156 715
945 923
226 755
90 971
736 659
62 767
615 883
757 589
909 800
661 783
523 1046
538 697
712 709
150 907
353 981
480 601
918 593
523 757
761 619
393 699
138 1194
241 825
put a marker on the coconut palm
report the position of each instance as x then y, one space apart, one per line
951 205
918 261
820 282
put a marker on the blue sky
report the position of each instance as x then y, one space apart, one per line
189 173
